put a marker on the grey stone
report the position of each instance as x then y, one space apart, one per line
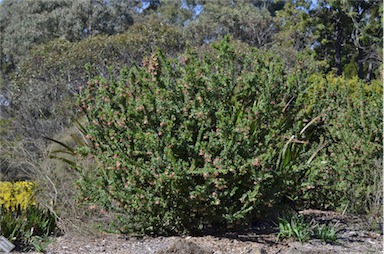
182 246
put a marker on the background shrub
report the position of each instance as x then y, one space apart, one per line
345 173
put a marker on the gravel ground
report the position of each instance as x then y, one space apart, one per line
354 238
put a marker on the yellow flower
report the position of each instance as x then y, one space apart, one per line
17 194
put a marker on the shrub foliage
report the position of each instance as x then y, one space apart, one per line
218 137
346 173
190 142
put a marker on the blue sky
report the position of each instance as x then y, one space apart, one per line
314 4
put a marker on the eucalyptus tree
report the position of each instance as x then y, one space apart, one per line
367 34
26 23
178 13
242 19
295 25
352 32
346 36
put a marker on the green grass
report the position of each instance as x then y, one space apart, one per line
296 227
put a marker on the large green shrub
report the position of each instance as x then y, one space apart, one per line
185 143
223 135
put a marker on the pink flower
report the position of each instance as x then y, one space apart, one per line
256 162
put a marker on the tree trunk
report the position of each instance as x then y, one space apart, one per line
360 63
369 74
338 43
90 14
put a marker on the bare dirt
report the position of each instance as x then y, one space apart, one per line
355 236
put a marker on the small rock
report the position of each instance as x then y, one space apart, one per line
351 234
184 247
257 251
